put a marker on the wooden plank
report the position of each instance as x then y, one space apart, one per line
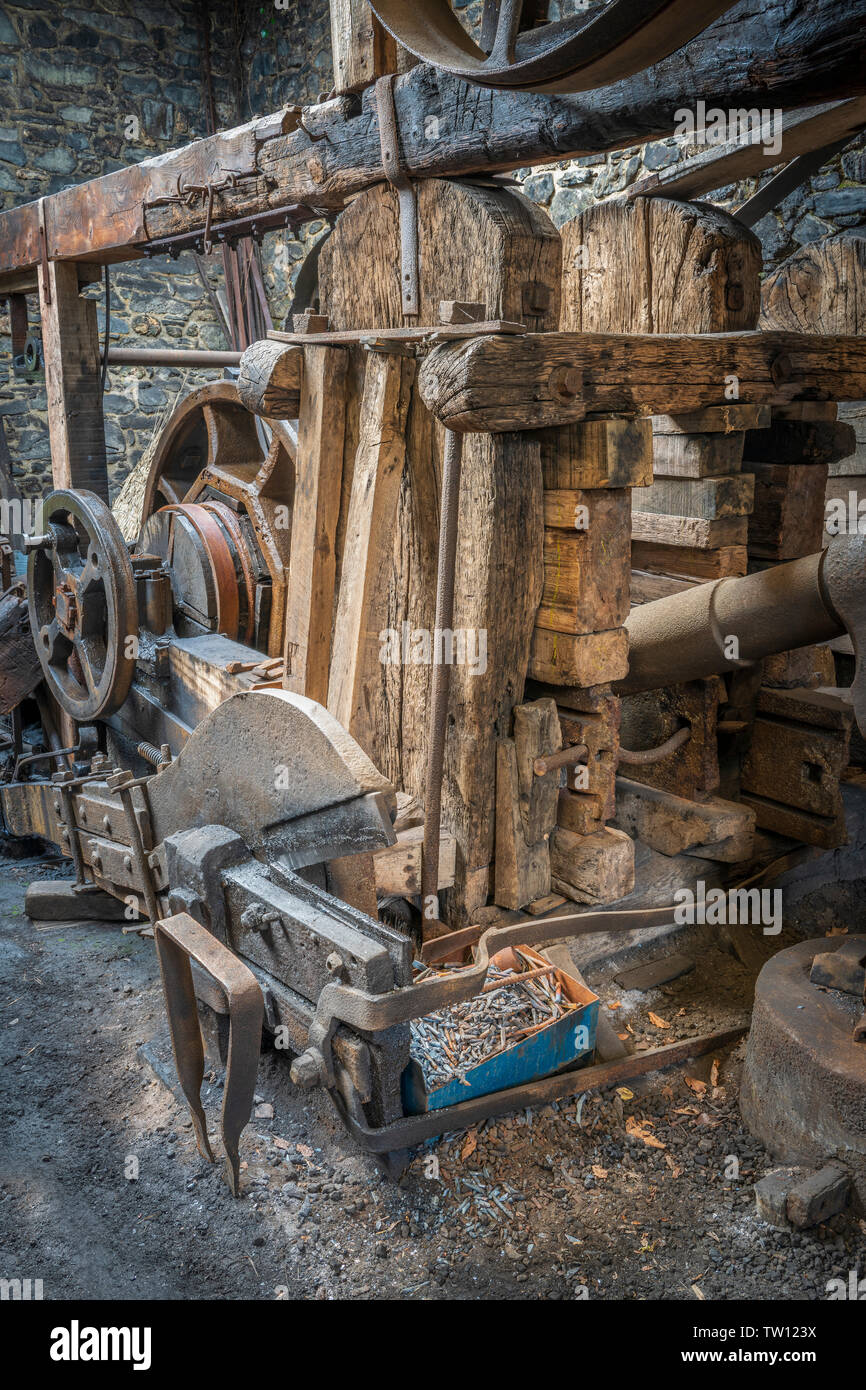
407 334
589 659
715 419
646 587
597 453
535 381
362 49
586 570
689 561
739 59
525 806
369 538
697 455
693 532
801 441
73 381
315 514
710 499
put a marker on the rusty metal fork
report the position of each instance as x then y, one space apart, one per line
179 940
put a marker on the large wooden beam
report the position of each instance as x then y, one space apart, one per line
787 55
537 380
70 343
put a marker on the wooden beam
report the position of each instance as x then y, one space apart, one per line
369 539
556 378
362 49
70 345
315 514
771 58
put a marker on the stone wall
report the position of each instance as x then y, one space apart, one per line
87 90
84 91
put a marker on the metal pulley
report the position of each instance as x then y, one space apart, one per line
519 50
81 597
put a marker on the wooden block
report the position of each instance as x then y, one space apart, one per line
362 49
801 441
398 867
580 812
697 455
461 311
369 539
269 380
806 668
716 419
650 718
688 561
690 532
673 824
309 322
595 658
595 868
806 410
791 772
788 518
710 499
593 720
59 901
586 571
597 453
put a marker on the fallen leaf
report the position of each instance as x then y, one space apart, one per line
698 1293
640 1130
623 1037
624 1093
304 1150
470 1146
699 1087
659 1022
614 1004
598 1171
714 1073
281 1143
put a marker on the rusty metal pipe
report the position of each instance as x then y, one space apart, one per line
689 635
171 357
450 507
645 757
566 757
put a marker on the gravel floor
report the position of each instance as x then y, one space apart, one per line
644 1193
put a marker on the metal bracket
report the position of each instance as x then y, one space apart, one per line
406 195
43 251
180 940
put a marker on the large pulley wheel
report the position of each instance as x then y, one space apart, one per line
520 51
82 602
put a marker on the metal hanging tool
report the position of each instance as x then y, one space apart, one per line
180 940
406 196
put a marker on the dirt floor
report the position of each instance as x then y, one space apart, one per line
642 1193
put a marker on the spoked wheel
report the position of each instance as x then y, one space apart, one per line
82 603
212 429
519 49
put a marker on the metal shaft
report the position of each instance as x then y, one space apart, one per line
717 627
171 357
441 679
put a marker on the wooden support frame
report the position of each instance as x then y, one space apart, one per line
73 379
763 60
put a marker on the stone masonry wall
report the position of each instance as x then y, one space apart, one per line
87 90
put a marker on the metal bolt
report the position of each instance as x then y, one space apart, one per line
334 963
566 382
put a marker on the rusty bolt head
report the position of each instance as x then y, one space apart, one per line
304 1070
66 607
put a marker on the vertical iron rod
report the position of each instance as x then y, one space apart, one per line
440 681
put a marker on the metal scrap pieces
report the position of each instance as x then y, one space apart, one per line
450 1041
